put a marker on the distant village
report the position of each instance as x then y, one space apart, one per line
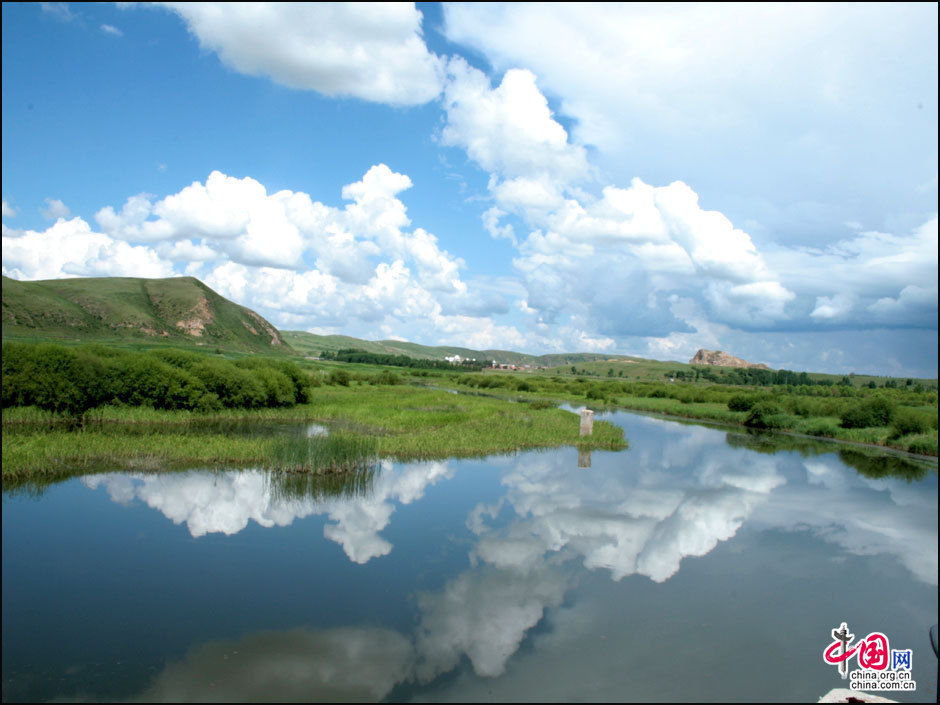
458 360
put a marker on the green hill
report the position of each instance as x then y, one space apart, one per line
183 311
179 310
312 344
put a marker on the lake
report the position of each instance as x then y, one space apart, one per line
697 565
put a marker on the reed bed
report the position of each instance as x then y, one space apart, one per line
30 416
329 454
287 486
367 423
822 426
56 452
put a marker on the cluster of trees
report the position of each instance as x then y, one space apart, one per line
342 378
354 355
73 381
752 377
764 411
775 407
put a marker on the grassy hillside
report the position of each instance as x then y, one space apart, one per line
174 311
311 344
184 312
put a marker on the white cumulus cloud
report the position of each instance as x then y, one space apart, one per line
372 51
55 209
70 248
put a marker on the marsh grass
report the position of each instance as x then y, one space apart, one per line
924 443
404 423
62 453
329 454
828 426
287 486
421 423
30 416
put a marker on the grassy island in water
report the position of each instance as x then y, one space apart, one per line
400 422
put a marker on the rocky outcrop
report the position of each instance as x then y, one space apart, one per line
722 359
104 308
275 334
198 317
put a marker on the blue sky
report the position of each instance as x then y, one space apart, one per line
639 179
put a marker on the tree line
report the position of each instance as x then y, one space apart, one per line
354 355
72 381
755 377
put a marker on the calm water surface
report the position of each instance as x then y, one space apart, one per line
696 565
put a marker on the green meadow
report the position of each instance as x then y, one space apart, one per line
83 408
365 421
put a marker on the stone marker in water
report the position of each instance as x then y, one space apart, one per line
587 422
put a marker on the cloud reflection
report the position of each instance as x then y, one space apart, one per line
336 665
484 614
225 502
206 502
639 513
643 520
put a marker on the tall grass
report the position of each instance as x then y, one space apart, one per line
320 487
404 423
332 453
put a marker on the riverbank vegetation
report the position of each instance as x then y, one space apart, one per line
70 382
396 421
91 407
361 356
903 417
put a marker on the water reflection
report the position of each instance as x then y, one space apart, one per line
484 614
643 518
360 503
552 582
868 461
642 514
300 665
286 486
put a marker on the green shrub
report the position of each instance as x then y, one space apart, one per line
54 378
826 428
541 404
143 380
340 377
906 422
741 402
183 359
387 377
207 403
925 444
874 412
279 390
764 414
236 388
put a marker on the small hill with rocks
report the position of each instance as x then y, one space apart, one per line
179 310
719 358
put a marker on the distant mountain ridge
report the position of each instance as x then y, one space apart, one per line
184 311
313 344
106 308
